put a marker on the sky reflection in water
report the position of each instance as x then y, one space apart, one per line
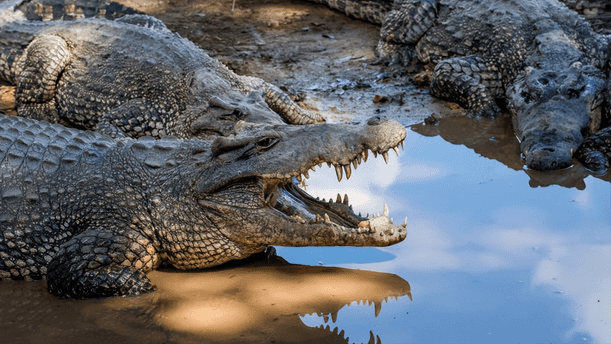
489 258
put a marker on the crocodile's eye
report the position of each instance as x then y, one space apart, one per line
267 143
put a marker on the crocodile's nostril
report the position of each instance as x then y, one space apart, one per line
551 150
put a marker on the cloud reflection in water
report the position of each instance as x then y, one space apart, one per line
482 239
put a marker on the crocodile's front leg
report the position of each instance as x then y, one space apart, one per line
595 151
403 26
98 263
281 103
36 73
471 81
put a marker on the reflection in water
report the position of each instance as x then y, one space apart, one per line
489 252
264 303
245 304
364 322
495 139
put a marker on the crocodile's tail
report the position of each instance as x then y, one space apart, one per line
47 10
372 11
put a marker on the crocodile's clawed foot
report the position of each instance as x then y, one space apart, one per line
393 54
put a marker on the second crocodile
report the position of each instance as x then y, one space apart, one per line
133 74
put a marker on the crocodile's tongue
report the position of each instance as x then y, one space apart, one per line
299 205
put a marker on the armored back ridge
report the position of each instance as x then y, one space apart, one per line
93 214
133 74
539 56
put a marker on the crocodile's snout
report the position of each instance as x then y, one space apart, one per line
546 158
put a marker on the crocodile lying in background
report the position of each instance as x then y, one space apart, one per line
540 57
596 12
133 74
93 214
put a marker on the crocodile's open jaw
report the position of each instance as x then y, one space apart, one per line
300 206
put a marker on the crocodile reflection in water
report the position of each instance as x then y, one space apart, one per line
494 139
226 304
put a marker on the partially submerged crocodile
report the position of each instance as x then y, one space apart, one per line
93 214
538 55
133 74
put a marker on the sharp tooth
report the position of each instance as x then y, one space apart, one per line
571 151
355 163
385 210
396 150
375 154
327 220
402 147
364 224
404 222
318 218
298 177
345 198
330 200
328 164
339 198
338 172
359 159
318 198
348 171
306 175
365 155
319 164
312 168
385 156
391 221
372 229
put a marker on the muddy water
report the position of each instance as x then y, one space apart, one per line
492 255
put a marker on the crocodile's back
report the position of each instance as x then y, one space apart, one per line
73 9
42 168
466 27
111 62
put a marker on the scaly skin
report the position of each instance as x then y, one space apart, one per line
539 56
133 74
93 214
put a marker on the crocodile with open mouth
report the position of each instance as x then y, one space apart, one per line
93 214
